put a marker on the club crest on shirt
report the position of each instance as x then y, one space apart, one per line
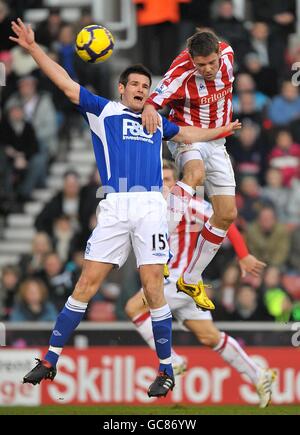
163 86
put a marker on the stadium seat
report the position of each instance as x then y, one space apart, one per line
102 311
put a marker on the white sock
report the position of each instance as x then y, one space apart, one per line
175 355
143 325
208 244
178 201
57 350
233 354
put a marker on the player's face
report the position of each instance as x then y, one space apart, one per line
168 181
208 66
168 178
136 92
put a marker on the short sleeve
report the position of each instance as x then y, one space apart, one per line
91 103
169 128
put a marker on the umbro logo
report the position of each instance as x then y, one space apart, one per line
162 341
56 333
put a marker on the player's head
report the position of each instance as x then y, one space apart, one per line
170 173
204 49
134 86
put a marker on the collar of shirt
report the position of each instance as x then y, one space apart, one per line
127 109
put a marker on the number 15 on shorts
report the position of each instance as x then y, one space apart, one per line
159 242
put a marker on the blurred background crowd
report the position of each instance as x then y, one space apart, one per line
48 181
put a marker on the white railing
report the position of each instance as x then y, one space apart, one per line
128 326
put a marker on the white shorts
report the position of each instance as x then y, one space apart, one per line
219 175
125 220
181 305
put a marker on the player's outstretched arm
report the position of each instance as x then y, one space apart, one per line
25 38
196 134
248 263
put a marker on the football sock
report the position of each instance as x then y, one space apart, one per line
177 201
143 325
162 332
66 322
175 355
230 350
208 244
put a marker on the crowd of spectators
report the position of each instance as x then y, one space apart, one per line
36 118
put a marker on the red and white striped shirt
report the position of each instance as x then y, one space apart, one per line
183 241
194 100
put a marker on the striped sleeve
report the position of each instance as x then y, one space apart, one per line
227 50
171 87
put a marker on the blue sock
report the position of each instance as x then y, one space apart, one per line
52 358
66 322
162 333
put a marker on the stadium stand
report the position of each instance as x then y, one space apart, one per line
258 102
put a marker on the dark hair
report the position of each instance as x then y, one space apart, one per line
71 172
203 44
134 69
54 11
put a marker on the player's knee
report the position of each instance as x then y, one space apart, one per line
130 309
194 177
209 338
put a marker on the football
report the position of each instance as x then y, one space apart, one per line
94 44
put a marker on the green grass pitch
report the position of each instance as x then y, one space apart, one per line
150 410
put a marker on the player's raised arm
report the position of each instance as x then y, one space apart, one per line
25 38
248 263
196 134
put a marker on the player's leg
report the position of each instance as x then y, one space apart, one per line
220 187
212 236
152 282
231 352
149 241
93 274
137 310
191 163
161 317
108 245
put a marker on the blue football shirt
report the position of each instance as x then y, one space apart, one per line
128 158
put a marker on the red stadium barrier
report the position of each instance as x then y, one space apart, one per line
116 375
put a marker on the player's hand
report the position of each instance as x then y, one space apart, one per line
150 119
251 264
24 34
233 126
